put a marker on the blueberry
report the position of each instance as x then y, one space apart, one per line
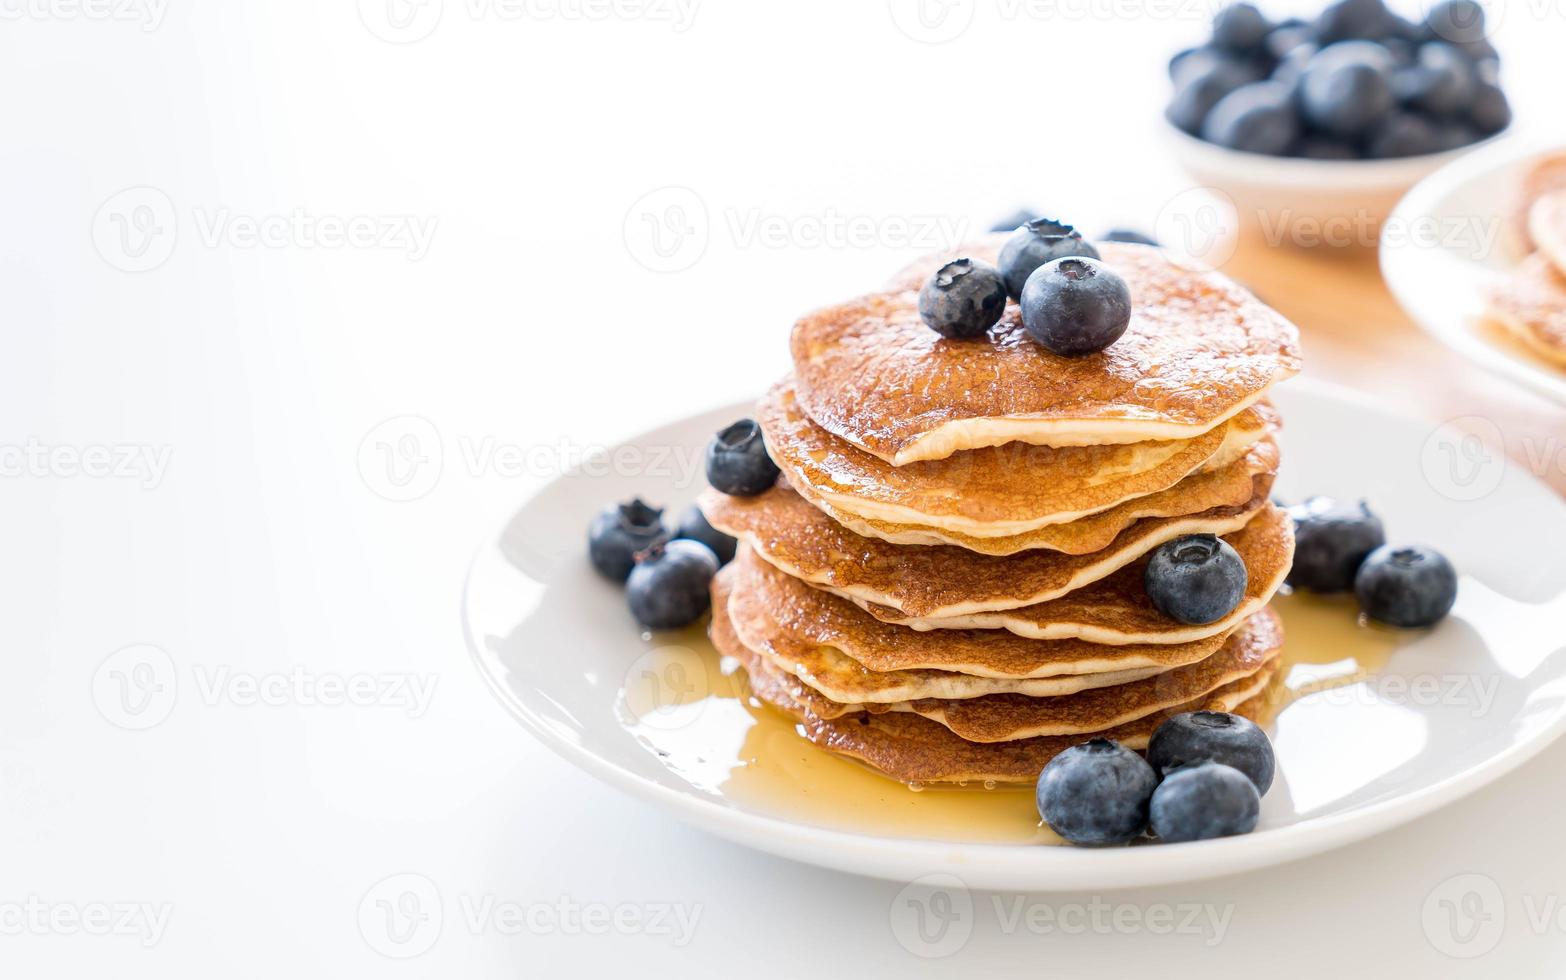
670 585
1197 93
1128 235
1291 67
1286 38
618 532
1455 20
1204 801
1013 221
1193 62
1345 93
1240 27
694 526
1255 118
1196 579
1407 587
1353 19
737 461
1331 539
1214 736
1096 793
1489 111
1075 306
1035 243
963 299
1452 134
1442 81
1403 134
1316 147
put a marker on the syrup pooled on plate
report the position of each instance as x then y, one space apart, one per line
694 711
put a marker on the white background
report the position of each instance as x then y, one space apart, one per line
532 321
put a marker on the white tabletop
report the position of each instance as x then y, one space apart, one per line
197 357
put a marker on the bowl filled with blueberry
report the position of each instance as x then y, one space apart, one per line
1315 128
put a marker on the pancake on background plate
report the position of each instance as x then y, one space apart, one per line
1529 304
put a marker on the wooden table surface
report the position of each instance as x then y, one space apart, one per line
1354 333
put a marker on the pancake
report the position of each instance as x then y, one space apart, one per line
911 748
1546 175
1547 223
1198 351
1530 305
934 581
849 655
1245 479
997 491
1007 717
1116 610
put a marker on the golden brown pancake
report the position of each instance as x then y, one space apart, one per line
1006 717
1545 176
999 491
849 655
912 748
1198 351
937 580
1547 223
1530 305
1245 479
1116 609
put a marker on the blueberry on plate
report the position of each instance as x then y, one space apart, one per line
1128 235
964 298
1344 93
693 525
618 532
1204 801
1403 134
1255 118
1408 587
1214 736
1075 306
1315 147
1196 579
1035 243
1331 539
1454 133
737 461
1240 28
1096 793
670 585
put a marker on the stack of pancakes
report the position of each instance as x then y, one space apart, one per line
947 581
1529 304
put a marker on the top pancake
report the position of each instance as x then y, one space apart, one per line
997 491
1199 349
1530 303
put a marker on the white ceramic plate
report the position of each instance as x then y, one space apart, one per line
1453 240
1453 709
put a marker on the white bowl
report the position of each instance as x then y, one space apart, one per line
1308 203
